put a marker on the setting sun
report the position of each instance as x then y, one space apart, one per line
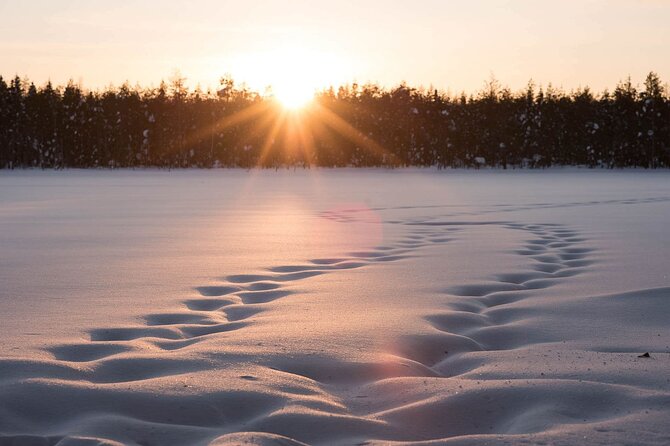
293 93
290 72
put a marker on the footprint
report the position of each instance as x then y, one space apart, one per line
577 250
291 268
241 312
192 331
458 321
430 349
535 248
569 272
367 254
440 240
289 277
470 305
495 300
578 263
87 352
130 333
547 267
171 345
178 318
213 291
568 256
349 265
537 284
257 297
262 286
208 304
327 261
247 278
547 258
520 278
482 289
391 258
540 242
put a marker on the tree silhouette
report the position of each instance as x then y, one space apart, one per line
354 125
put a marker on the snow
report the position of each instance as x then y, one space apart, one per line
334 307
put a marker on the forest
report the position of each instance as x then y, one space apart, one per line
172 126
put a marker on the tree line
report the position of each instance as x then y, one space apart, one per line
172 126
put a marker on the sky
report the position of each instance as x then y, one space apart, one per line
451 45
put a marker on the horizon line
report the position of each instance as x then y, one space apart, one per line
242 85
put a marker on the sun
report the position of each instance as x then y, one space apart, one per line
296 76
290 72
293 94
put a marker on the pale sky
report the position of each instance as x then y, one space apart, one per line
453 45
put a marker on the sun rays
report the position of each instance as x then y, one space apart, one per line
281 126
281 135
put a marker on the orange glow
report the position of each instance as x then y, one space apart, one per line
283 131
293 94
290 71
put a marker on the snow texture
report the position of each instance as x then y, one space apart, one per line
334 307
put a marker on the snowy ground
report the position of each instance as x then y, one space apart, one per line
334 307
